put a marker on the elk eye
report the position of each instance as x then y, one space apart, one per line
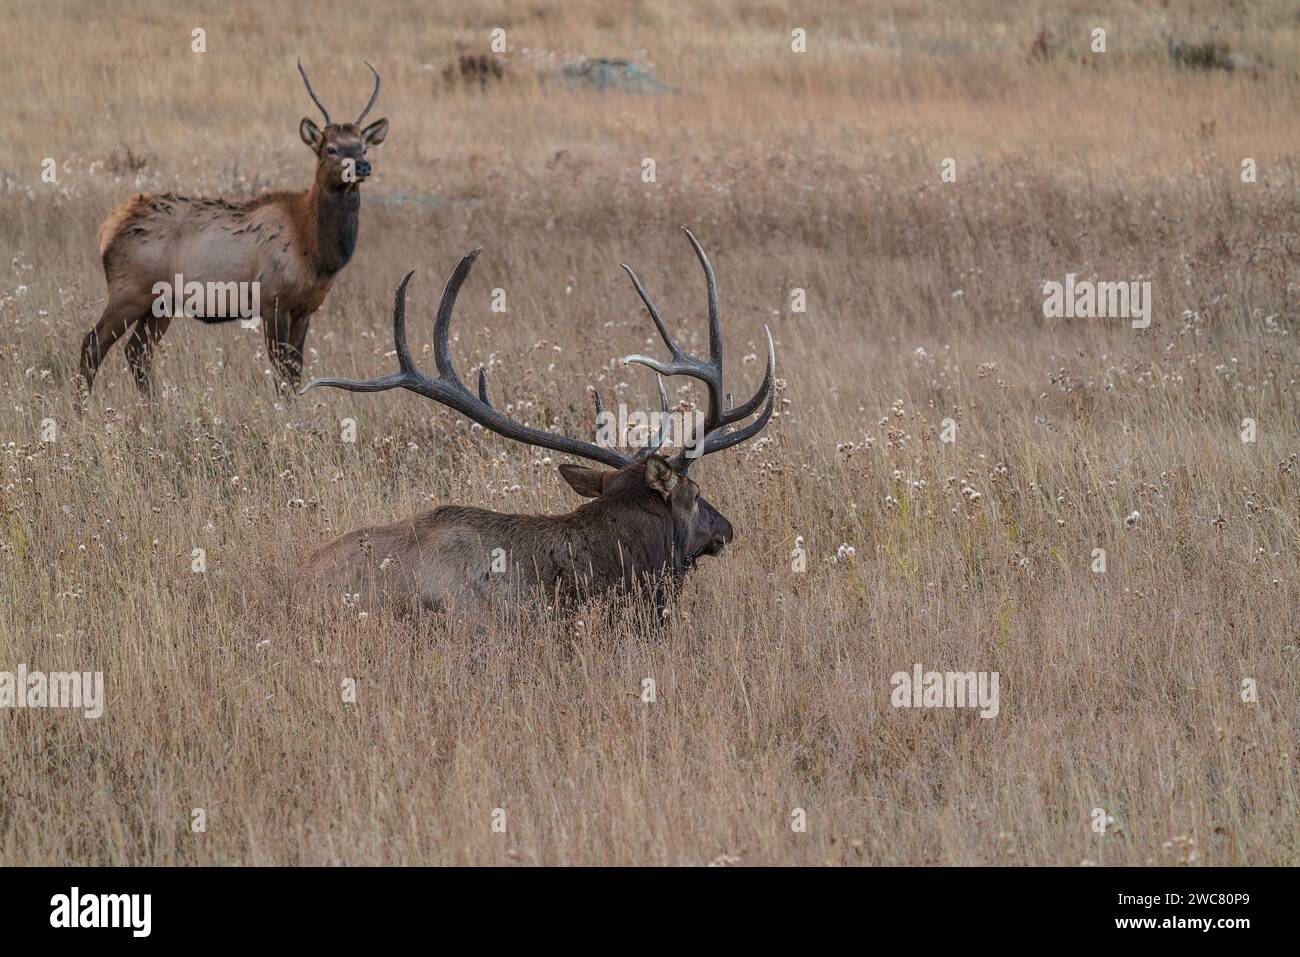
331 150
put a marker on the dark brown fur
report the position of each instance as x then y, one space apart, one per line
644 529
643 532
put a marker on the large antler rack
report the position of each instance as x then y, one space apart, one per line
448 389
719 418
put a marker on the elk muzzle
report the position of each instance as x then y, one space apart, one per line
721 538
713 532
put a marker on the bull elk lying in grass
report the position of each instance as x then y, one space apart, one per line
290 244
644 529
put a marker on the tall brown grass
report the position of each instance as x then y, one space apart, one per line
1119 691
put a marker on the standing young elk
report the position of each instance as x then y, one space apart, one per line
290 244
644 529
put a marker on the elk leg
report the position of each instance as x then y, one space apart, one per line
297 347
113 323
286 345
140 346
277 347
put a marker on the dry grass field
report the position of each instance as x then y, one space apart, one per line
818 171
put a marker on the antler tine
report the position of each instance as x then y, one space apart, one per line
373 96
715 320
669 341
746 409
656 440
718 416
442 322
720 438
312 93
407 373
404 359
600 411
681 363
448 389
719 412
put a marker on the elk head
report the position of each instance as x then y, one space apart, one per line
647 500
655 491
340 148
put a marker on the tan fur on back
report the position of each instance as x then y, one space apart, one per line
151 238
110 227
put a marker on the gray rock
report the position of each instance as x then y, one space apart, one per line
621 76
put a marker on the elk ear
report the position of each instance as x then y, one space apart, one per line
310 133
374 134
589 483
659 475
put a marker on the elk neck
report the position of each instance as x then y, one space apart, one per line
623 541
331 220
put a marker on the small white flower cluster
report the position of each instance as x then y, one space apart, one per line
848 449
